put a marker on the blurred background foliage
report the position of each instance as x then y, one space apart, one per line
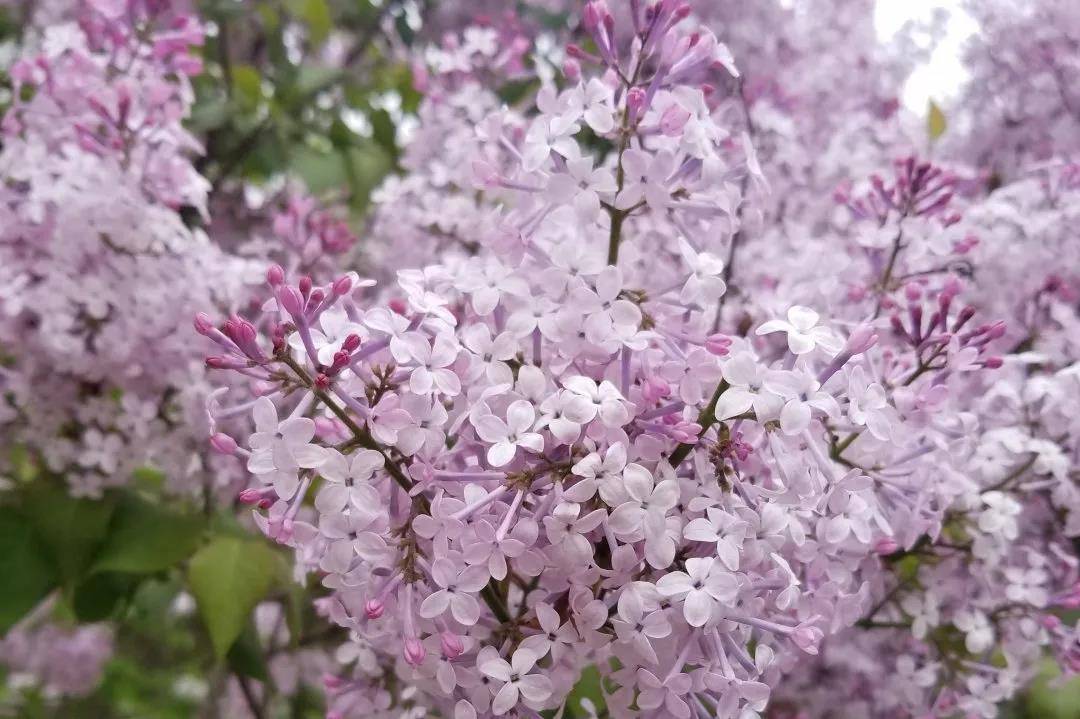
312 90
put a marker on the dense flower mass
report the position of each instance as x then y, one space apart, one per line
551 451
670 377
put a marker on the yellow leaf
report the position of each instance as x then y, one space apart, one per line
935 121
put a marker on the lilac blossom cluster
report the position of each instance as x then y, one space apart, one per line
572 443
97 266
57 661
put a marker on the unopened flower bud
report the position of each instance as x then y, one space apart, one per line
571 69
342 285
635 103
292 301
1050 622
203 324
351 343
275 276
223 443
414 651
374 608
674 120
886 546
807 638
861 339
655 389
718 344
452 646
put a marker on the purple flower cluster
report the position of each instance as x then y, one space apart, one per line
572 444
681 371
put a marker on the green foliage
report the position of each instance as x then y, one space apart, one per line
1050 697
228 577
28 575
145 537
71 529
245 657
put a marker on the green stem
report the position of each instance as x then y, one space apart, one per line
615 236
706 418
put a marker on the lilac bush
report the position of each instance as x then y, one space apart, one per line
671 386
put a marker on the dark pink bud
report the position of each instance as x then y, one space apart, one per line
342 285
332 683
962 319
203 325
673 121
452 646
1050 622
351 343
886 546
635 102
414 651
655 389
807 638
292 301
718 345
993 362
305 285
275 275
223 443
218 363
571 69
861 339
317 296
374 608
596 14
1071 599
250 496
341 359
576 52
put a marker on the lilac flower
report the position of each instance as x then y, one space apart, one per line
803 332
518 683
704 589
457 586
720 527
506 437
347 479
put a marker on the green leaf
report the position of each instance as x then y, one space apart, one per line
314 78
98 597
228 577
588 687
1051 698
149 479
144 537
71 529
248 85
368 165
320 171
246 656
27 575
316 14
935 121
209 114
